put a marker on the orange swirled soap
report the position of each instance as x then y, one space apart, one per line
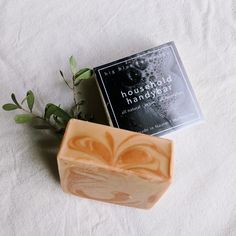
114 165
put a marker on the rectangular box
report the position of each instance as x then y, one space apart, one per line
148 92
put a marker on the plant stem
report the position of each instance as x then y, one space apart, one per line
41 118
67 83
62 75
75 93
51 126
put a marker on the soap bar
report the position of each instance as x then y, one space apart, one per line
113 165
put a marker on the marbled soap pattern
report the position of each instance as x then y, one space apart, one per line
113 165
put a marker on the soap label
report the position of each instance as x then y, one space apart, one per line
148 92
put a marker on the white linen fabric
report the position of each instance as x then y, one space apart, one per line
36 40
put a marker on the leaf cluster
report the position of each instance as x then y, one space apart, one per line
53 117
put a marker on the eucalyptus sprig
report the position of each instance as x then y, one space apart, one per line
53 117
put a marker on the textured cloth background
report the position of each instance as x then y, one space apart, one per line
36 39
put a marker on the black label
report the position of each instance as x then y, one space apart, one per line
149 92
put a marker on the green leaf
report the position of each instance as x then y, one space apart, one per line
52 109
9 107
23 118
13 97
81 71
30 99
73 65
49 110
83 74
58 122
